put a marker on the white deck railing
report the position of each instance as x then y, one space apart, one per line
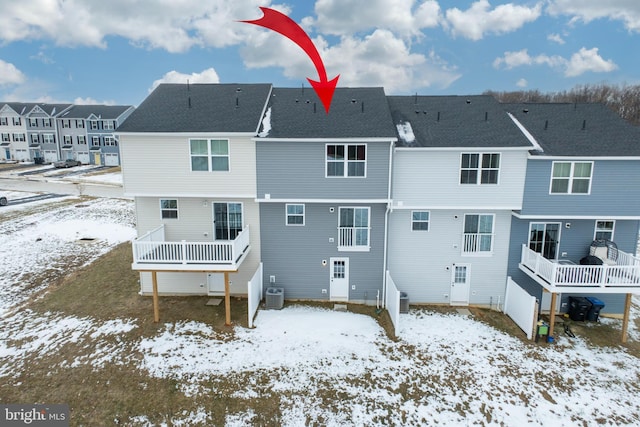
626 273
152 249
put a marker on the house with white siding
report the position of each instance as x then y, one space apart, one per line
188 160
458 173
13 132
323 190
581 186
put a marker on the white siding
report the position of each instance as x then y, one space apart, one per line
432 178
154 164
194 220
421 262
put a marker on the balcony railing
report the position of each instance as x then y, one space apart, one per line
151 251
565 276
353 239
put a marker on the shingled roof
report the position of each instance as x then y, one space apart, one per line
584 130
297 113
230 108
101 111
454 121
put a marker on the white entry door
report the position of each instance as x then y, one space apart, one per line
339 279
460 284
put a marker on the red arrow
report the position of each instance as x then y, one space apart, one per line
284 25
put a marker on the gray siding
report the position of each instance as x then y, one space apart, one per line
575 242
614 191
420 262
297 170
294 254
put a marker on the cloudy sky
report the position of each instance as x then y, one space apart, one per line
96 51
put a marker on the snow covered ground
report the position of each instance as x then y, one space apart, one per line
444 369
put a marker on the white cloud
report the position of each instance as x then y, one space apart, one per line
556 38
207 76
174 26
522 83
378 59
588 60
585 60
627 11
91 101
479 19
10 75
403 17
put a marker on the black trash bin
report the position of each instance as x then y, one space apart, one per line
594 310
578 308
38 160
404 302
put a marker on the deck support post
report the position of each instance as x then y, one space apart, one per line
625 319
552 314
227 300
156 308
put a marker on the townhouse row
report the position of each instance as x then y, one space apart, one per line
45 133
448 194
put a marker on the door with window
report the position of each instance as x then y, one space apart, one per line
544 238
339 279
227 220
460 284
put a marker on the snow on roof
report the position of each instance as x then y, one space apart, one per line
405 132
266 124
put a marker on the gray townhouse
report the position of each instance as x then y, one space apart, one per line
323 190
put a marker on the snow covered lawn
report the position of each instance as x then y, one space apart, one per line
300 366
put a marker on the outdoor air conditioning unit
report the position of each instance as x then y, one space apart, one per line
274 298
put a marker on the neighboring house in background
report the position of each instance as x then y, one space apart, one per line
188 159
582 185
458 173
42 132
323 188
87 133
13 132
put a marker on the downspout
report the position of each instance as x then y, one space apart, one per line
386 228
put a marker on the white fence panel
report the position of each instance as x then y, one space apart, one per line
254 291
392 302
521 307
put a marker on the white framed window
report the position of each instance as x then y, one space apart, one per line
6 137
169 208
66 123
209 154
420 220
604 230
18 137
48 138
95 141
110 141
294 214
80 124
81 139
353 228
17 121
346 160
108 124
478 234
67 140
33 122
35 138
4 121
571 178
93 124
479 168
544 238
46 123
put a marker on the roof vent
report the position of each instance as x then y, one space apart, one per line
546 124
584 124
353 101
468 101
525 110
438 119
417 111
189 102
362 107
486 116
238 90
